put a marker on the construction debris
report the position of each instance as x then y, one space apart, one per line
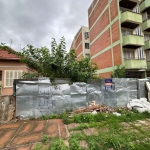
141 105
97 108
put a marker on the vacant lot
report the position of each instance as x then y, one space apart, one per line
130 131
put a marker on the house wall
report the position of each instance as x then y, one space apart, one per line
105 35
12 65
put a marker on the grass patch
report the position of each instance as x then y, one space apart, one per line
114 132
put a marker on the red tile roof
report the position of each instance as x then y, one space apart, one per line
5 54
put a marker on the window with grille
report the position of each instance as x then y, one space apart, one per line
10 75
86 35
87 45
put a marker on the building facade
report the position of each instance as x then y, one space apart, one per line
119 35
81 43
10 68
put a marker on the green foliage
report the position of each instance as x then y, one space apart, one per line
82 70
45 139
57 63
127 116
119 72
30 75
53 116
74 144
38 146
58 144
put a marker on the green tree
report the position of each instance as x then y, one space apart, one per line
119 72
57 63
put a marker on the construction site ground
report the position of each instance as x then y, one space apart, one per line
24 135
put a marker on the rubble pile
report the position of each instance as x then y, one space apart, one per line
98 108
92 106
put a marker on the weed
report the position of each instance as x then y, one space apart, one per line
113 141
31 118
58 144
45 139
46 117
38 146
74 144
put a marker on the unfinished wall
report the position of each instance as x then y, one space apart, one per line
7 108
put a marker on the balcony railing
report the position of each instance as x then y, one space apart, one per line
135 63
130 19
133 41
145 6
147 45
146 25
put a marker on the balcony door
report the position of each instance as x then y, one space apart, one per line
128 54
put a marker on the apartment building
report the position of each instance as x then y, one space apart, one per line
81 43
119 35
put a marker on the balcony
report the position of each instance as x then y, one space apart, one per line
145 6
146 25
132 41
148 64
129 4
147 45
130 20
135 64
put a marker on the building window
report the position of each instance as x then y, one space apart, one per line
0 75
10 75
87 46
128 55
86 35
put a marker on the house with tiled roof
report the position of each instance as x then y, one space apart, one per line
10 68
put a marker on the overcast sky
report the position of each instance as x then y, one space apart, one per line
35 22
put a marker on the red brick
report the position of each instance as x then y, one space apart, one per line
79 50
40 126
73 125
106 75
12 126
100 25
117 55
101 43
113 9
115 31
32 138
79 58
97 11
27 128
52 130
104 60
6 137
90 9
78 38
23 148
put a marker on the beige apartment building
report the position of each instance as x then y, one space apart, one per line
81 43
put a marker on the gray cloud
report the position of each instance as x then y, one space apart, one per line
35 22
